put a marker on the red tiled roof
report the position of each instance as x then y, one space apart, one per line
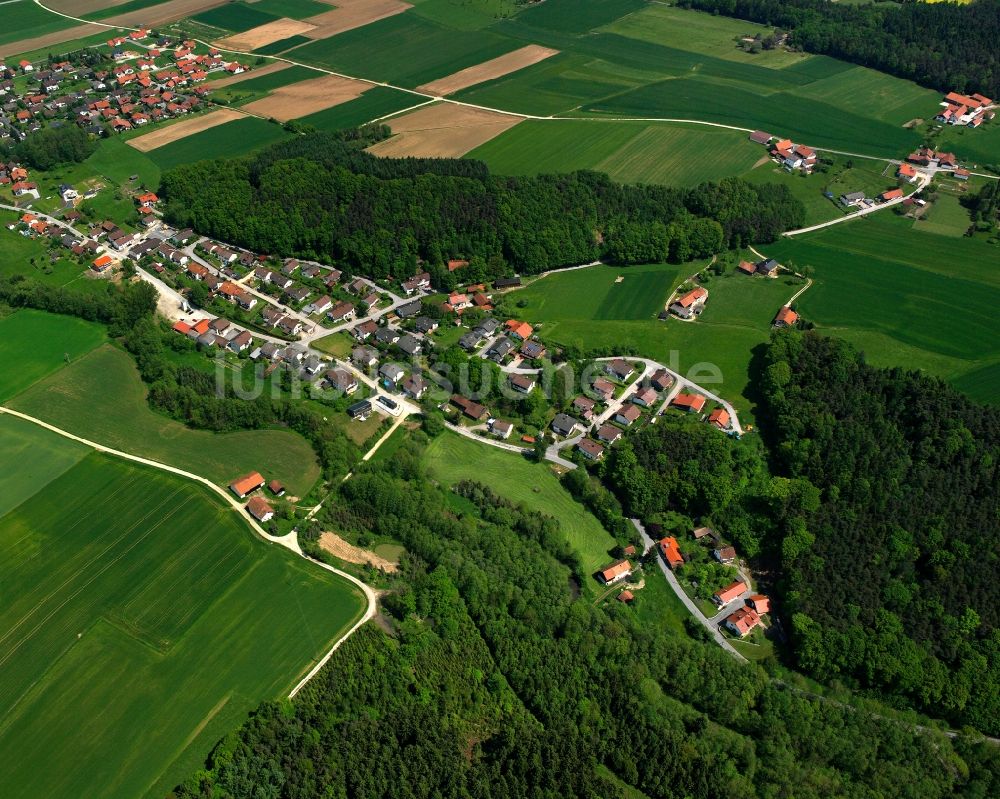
671 552
244 485
618 569
719 417
691 402
730 592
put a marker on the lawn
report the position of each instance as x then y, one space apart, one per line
339 345
118 162
451 458
230 140
945 217
34 344
23 19
31 257
101 398
630 152
375 103
134 597
405 49
596 293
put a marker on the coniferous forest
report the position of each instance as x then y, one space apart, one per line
321 195
945 46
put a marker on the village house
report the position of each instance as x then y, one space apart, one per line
627 414
608 433
742 622
701 532
521 331
565 425
719 418
644 397
502 429
415 386
891 194
364 356
387 336
392 374
725 554
425 325
410 345
241 342
363 330
619 369
343 311
731 592
471 409
247 484
590 449
522 383
661 380
604 388
692 403
585 407
616 572
691 304
852 199
759 603
500 349
341 380
533 350
671 552
908 173
321 305
360 410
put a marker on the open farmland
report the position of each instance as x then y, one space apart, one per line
377 102
231 140
74 399
513 477
352 14
260 84
34 344
495 68
265 34
23 19
133 595
442 130
160 13
631 152
307 97
404 49
180 130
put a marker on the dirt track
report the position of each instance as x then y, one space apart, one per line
181 130
488 70
264 34
443 130
339 548
307 97
350 14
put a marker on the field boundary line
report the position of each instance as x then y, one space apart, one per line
289 541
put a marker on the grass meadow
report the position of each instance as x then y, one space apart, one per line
34 344
142 621
229 140
101 398
630 152
511 476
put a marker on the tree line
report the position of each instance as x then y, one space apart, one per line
946 46
497 680
321 196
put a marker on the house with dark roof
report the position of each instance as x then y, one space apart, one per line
566 425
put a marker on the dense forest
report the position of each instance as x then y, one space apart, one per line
497 681
52 146
946 46
892 580
320 195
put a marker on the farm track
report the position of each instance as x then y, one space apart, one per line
289 542
430 98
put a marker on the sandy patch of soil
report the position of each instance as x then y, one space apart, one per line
488 70
180 130
340 548
444 130
49 39
164 12
350 14
265 34
307 97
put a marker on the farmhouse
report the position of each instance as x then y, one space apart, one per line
246 484
742 622
747 268
692 403
591 449
786 317
617 571
671 552
724 596
260 509
761 137
691 304
907 172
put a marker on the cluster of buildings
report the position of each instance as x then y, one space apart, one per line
691 304
257 506
143 82
926 157
970 110
785 152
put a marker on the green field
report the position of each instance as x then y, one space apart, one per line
101 398
122 8
230 140
377 102
235 16
630 152
404 49
274 48
255 88
142 621
511 476
595 293
35 344
905 296
22 19
945 217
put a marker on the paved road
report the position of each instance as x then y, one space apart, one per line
289 541
713 628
